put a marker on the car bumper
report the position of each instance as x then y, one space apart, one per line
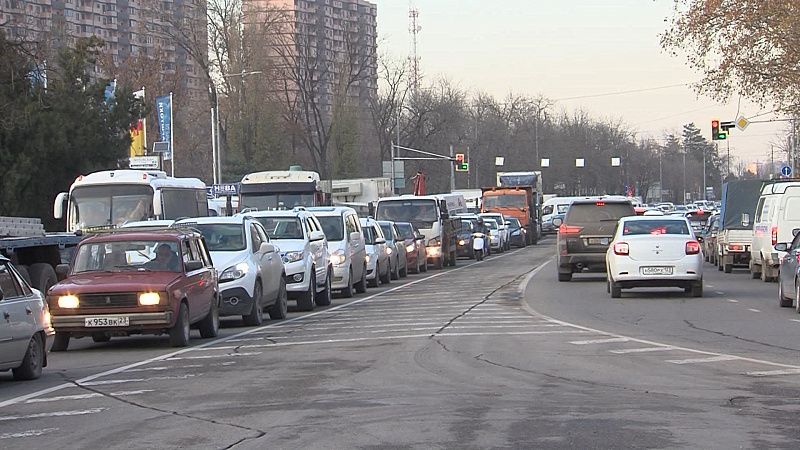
293 269
340 277
628 273
236 302
371 274
595 261
138 323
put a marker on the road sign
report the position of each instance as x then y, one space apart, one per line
499 161
224 189
545 162
616 162
580 162
742 123
144 162
786 171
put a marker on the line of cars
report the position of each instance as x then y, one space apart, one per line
605 234
168 277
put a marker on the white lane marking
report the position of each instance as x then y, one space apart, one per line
29 433
526 325
87 396
795 320
136 380
337 341
719 292
512 333
754 310
226 355
80 412
600 341
768 373
120 369
709 285
524 283
703 360
641 350
733 301
162 368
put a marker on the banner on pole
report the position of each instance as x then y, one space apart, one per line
164 112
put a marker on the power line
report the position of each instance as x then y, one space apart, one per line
632 91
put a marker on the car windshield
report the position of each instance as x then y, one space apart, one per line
115 256
514 223
466 226
491 224
222 237
421 213
99 206
406 230
333 226
370 234
387 231
598 212
655 227
272 201
519 200
282 227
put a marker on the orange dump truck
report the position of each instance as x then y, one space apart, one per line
518 195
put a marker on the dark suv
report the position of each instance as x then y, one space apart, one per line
586 231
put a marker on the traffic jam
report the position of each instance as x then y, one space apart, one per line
144 253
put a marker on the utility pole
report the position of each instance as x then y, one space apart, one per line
452 169
660 176
703 187
684 176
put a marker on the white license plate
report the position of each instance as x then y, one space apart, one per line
656 270
120 321
598 241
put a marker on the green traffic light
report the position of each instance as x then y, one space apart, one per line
722 136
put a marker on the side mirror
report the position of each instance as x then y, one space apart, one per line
355 236
158 209
419 237
508 224
62 270
782 247
557 222
58 205
795 231
266 247
316 236
700 239
191 266
380 240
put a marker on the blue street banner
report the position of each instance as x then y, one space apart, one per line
164 112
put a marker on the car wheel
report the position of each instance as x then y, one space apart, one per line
100 337
209 326
280 308
60 342
417 268
616 291
375 282
728 268
179 333
424 266
697 289
783 300
31 367
256 315
565 274
387 277
361 286
324 299
308 300
396 272
348 292
42 276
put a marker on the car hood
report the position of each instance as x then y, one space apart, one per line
128 281
223 260
290 245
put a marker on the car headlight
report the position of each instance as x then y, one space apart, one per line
338 258
388 250
368 258
410 248
68 301
462 242
149 298
291 257
235 272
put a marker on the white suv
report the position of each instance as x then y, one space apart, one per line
502 229
305 254
346 247
379 266
249 265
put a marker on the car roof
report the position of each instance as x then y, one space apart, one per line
330 210
592 201
277 213
646 218
235 219
368 221
133 234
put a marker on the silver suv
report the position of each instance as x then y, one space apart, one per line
346 247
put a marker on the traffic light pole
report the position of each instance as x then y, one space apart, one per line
428 157
452 170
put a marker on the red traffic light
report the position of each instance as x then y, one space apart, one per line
715 124
460 157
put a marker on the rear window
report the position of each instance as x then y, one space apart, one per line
655 226
598 212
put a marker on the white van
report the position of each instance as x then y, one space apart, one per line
346 247
553 207
777 214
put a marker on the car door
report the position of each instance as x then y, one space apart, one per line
788 268
198 304
358 245
272 259
318 248
17 320
208 285
262 259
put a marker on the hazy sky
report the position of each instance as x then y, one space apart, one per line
568 49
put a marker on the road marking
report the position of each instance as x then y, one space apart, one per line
754 310
600 341
641 350
161 368
87 396
29 433
767 373
511 333
733 301
703 360
719 293
81 412
524 283
136 380
528 325
226 355
795 320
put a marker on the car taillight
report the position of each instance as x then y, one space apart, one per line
692 248
567 229
622 248
736 247
774 235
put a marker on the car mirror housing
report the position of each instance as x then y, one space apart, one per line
191 266
316 236
266 247
782 247
62 271
380 240
557 222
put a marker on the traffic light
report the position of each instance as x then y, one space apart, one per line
716 133
462 167
460 158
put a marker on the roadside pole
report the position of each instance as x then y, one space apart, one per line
452 169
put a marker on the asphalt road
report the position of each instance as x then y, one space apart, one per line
492 354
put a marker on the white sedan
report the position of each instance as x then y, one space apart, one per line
653 251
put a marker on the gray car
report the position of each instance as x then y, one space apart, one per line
788 276
397 258
24 327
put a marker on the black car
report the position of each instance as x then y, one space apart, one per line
585 233
464 239
517 235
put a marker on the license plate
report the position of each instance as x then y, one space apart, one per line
121 321
598 241
656 270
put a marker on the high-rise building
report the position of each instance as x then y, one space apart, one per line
340 36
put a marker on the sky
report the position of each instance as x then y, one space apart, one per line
587 48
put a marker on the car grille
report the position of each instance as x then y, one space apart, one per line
109 300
